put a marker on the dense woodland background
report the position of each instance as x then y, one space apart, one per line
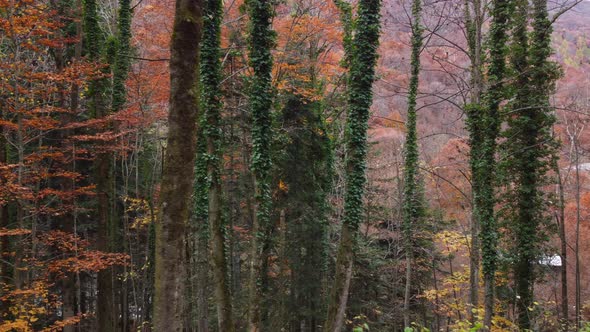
232 178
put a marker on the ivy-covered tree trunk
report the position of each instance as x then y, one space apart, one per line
123 58
261 41
177 177
485 167
483 124
413 207
526 132
211 127
360 97
529 146
94 43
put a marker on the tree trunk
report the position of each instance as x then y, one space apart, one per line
473 22
202 283
560 217
577 244
408 289
260 43
177 177
5 270
489 123
413 202
211 127
105 298
363 57
219 261
5 266
93 41
340 288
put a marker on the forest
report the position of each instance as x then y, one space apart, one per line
294 165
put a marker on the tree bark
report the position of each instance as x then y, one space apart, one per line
178 173
560 217
340 289
577 244
202 283
473 23
5 270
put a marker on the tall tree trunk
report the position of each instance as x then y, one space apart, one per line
342 278
526 193
530 146
202 285
484 124
200 235
105 298
408 289
5 266
177 177
360 97
93 41
560 217
211 126
5 270
261 41
473 23
413 207
118 227
577 244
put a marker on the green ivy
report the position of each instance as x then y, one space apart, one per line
360 98
123 59
262 39
529 149
413 205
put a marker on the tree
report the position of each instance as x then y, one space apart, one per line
474 17
40 118
260 43
211 128
484 123
123 60
529 148
200 253
413 205
94 44
177 176
363 58
304 177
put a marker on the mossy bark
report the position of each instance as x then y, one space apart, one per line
178 172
